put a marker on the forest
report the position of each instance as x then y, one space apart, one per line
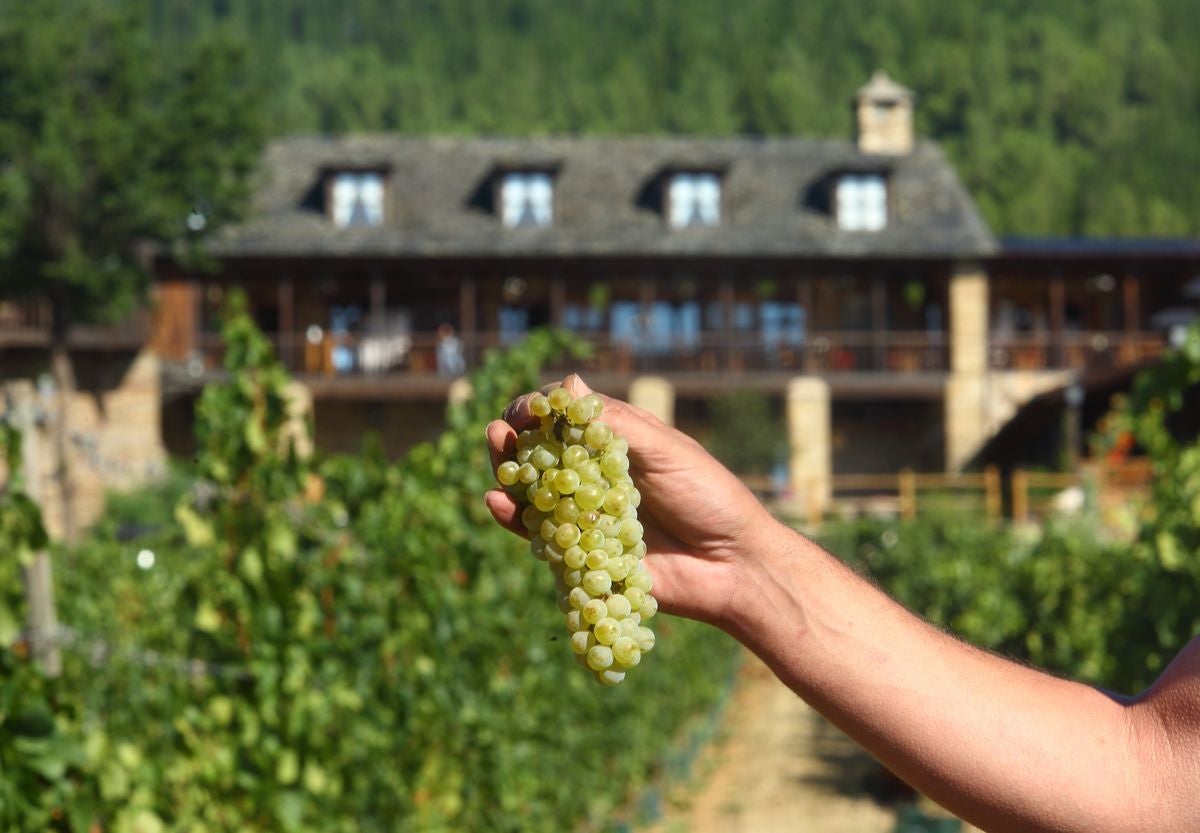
1070 118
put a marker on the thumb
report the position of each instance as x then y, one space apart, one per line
576 386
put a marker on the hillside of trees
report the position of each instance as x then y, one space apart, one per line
1074 117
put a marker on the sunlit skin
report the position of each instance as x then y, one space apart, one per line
1004 746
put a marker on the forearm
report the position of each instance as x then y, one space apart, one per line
1002 745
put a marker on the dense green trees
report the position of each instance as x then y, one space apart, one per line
1071 117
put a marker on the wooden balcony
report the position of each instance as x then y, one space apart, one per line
858 363
1085 351
27 325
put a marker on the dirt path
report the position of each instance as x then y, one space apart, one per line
777 766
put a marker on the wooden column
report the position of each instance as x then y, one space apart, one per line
287 323
558 300
377 315
725 296
879 321
805 297
467 323
1058 319
1132 304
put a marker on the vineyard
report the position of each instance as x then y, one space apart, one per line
269 641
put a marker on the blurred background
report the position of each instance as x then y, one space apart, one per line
924 275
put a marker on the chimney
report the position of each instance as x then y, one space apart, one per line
885 116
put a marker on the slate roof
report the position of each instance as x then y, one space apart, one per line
606 200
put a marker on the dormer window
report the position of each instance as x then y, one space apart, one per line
527 199
356 199
862 202
694 199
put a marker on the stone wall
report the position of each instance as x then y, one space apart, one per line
114 439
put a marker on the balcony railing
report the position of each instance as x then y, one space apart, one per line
28 324
424 354
1074 350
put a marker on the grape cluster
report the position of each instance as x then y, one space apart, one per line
571 475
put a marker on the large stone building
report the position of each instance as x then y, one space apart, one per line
853 281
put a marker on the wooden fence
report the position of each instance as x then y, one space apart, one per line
1031 495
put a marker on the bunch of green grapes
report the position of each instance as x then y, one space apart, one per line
571 475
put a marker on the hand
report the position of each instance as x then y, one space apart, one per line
702 525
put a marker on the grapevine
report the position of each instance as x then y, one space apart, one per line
571 477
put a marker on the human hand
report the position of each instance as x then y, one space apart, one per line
702 525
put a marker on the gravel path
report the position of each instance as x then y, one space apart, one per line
777 767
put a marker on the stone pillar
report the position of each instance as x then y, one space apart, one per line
460 391
299 412
654 394
810 455
966 417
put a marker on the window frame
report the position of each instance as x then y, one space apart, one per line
884 179
674 176
333 175
504 176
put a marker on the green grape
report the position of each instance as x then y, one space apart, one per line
591 539
616 502
607 630
571 478
554 553
588 520
599 657
575 557
589 471
574 455
636 596
618 606
610 677
640 579
625 651
645 639
566 512
575 621
559 398
567 535
506 472
631 531
594 611
596 582
589 496
579 412
566 481
544 499
612 464
578 597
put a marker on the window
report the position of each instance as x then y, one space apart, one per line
862 202
527 199
694 199
357 199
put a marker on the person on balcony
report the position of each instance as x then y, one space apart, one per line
1004 746
449 352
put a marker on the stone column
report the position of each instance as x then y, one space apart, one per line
299 412
460 391
810 455
654 394
966 416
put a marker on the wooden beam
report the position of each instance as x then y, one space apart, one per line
288 337
1132 304
1058 319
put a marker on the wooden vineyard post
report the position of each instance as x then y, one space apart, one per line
1020 496
907 494
991 494
42 618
